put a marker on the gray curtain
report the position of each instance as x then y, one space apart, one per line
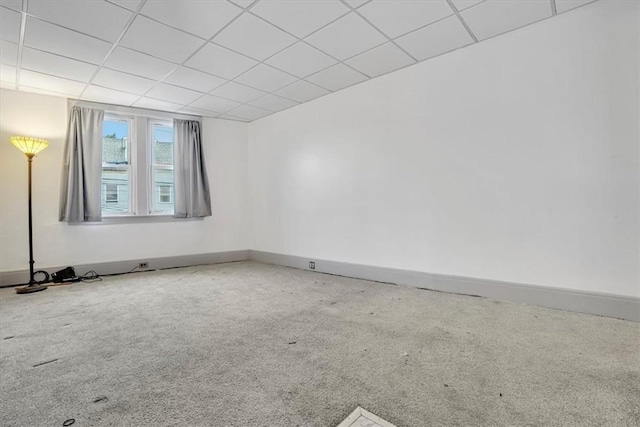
80 191
191 185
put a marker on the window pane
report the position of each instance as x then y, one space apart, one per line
162 171
115 167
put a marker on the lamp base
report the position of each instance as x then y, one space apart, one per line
33 287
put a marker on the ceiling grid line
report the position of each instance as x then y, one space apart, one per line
23 29
389 39
554 7
462 21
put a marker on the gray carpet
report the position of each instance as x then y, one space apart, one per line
249 344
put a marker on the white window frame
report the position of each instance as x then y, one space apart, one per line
140 192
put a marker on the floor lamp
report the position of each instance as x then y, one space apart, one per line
30 147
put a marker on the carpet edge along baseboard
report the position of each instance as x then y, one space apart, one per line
597 303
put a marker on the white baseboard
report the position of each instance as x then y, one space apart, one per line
602 304
12 278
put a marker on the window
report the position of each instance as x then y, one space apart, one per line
165 194
137 166
111 193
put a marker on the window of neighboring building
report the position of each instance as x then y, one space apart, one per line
165 194
111 193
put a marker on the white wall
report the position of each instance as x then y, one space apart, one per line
515 159
59 244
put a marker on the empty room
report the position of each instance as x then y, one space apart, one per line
319 213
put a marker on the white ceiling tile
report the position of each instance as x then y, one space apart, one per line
248 112
356 3
48 63
265 78
51 83
154 104
495 17
301 60
202 18
273 103
122 81
52 38
10 22
198 112
8 53
220 61
564 5
129 4
302 91
300 18
174 94
8 74
243 3
159 40
194 79
12 4
380 60
214 103
237 92
56 60
109 96
133 62
398 17
346 37
438 38
465 4
253 37
337 77
88 17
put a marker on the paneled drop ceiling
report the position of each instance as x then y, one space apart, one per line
236 59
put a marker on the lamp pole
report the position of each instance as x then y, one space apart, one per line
32 280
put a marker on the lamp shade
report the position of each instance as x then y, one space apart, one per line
29 145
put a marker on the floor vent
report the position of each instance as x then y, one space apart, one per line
363 418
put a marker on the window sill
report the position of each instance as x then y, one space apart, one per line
136 219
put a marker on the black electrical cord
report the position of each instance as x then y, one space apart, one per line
91 276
